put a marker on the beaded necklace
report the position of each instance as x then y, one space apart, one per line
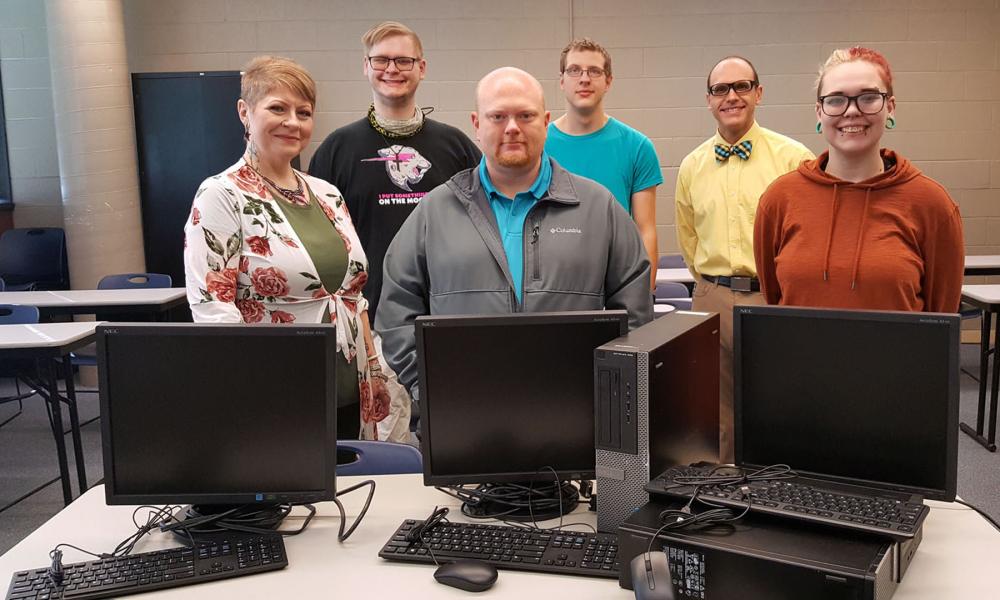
296 197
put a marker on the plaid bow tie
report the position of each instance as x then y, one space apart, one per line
743 149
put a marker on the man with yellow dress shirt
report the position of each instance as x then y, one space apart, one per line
718 187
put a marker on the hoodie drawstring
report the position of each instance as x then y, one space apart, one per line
861 233
829 238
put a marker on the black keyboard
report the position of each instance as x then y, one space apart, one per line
805 499
224 556
506 547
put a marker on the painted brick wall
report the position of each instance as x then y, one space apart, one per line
946 56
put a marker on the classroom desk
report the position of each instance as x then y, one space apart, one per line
955 560
987 299
674 275
982 265
50 344
88 302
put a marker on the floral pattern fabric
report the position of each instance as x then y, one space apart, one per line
243 262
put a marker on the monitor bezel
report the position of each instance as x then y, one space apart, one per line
424 323
113 497
949 320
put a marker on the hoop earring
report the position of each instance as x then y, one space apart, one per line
819 127
890 123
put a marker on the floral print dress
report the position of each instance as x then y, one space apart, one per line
243 262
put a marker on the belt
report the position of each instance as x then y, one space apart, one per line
737 284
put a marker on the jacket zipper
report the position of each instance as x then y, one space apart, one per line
536 272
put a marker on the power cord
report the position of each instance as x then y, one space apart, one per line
341 535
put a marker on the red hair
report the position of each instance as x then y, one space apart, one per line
846 55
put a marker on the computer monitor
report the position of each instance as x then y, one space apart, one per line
868 397
218 414
510 398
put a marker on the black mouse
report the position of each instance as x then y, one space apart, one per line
468 575
651 577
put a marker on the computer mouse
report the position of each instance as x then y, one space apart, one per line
468 575
651 577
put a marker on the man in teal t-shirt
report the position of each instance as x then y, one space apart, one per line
588 142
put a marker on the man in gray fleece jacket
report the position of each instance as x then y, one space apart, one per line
517 234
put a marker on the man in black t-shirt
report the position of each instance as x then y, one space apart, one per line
384 163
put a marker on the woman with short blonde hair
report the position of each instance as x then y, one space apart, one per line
267 243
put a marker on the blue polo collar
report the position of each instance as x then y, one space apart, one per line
537 189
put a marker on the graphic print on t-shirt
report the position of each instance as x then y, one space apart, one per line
404 165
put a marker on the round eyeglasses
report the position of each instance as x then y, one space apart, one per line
743 86
869 103
403 63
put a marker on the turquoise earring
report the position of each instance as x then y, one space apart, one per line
890 123
819 127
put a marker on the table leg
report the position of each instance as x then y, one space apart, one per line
991 439
984 359
52 397
74 424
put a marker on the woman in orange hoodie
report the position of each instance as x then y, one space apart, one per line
859 226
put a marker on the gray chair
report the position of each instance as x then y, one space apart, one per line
673 293
671 261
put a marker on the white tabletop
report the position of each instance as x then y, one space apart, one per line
988 261
676 275
990 294
62 298
45 335
956 559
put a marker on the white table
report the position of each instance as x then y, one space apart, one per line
81 302
675 275
50 344
662 309
982 265
956 559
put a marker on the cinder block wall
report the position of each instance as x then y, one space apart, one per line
946 56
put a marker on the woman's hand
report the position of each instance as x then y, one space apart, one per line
380 398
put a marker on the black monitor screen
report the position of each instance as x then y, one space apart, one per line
215 414
864 396
505 397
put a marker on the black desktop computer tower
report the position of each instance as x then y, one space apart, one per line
763 558
657 406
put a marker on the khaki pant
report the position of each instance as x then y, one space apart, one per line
712 297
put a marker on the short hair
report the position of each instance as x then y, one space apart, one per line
389 29
856 53
585 45
753 69
266 73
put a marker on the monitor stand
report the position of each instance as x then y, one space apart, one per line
258 516
510 501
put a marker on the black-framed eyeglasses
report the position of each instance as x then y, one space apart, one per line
403 63
868 103
743 86
592 72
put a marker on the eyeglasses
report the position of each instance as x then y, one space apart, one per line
403 63
743 86
869 103
592 72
